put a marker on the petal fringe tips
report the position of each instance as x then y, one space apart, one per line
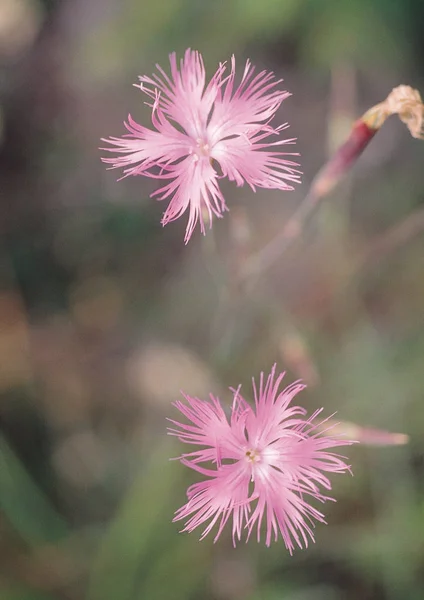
262 465
203 132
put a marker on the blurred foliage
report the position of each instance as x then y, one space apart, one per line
105 317
23 502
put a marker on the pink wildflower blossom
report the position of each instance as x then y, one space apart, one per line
263 464
198 128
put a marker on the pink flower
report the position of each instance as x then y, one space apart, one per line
263 464
201 128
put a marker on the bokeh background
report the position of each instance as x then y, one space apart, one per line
105 316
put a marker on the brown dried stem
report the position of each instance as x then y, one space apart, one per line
403 101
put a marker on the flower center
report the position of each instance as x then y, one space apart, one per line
253 455
202 148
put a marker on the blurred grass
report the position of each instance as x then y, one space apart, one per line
21 593
123 566
24 505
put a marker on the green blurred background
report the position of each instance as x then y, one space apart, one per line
105 316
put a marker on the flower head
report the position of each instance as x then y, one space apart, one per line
262 465
202 132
